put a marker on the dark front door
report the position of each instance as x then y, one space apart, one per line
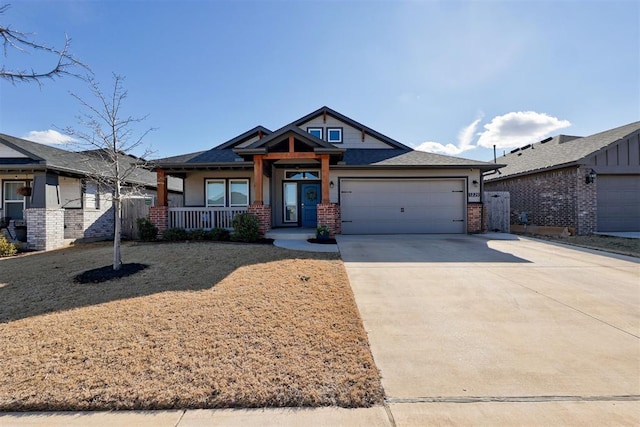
309 198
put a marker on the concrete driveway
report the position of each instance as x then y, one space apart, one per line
475 330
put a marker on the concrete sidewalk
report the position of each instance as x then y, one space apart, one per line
303 417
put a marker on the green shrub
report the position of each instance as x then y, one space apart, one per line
174 234
245 227
147 231
198 234
6 247
219 234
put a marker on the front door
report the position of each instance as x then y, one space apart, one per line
309 198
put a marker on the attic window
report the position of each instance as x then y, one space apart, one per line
317 132
334 135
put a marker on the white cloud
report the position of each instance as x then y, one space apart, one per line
49 136
510 130
465 139
519 128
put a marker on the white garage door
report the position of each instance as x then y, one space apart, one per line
618 202
389 206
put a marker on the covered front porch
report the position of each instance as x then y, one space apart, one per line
283 178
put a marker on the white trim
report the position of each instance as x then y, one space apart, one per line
246 182
310 129
339 140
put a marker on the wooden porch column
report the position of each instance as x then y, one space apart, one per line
257 179
325 178
161 180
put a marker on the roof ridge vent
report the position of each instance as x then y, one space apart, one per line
544 141
525 147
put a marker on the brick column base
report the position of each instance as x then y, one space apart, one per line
45 228
263 212
159 216
329 215
475 220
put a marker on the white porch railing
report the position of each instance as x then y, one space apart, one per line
201 217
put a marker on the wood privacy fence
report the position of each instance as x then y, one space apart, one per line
132 209
498 206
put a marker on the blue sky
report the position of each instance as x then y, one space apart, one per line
452 77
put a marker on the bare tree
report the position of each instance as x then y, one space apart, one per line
63 64
110 135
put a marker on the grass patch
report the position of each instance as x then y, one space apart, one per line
205 325
618 245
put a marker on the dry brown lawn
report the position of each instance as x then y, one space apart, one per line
206 325
618 245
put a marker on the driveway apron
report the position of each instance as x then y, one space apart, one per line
539 328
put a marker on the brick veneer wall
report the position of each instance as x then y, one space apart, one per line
329 215
559 198
159 216
475 218
45 228
73 223
263 212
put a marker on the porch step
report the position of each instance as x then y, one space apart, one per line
291 233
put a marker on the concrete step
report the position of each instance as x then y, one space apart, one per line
291 233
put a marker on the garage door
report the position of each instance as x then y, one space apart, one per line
618 202
389 206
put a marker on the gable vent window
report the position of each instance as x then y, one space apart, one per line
334 135
317 132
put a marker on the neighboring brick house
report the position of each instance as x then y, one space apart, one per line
325 169
50 197
589 184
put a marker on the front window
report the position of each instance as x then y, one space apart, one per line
317 132
216 193
334 135
239 192
14 203
227 192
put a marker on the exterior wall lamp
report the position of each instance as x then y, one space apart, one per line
331 184
590 177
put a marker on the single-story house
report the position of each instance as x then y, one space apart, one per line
49 196
324 169
589 184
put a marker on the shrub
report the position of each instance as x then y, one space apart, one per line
174 234
6 247
219 234
198 234
246 227
147 231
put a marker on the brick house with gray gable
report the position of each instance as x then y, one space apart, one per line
588 184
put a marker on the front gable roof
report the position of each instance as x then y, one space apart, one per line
328 111
560 151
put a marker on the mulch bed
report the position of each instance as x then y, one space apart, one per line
102 274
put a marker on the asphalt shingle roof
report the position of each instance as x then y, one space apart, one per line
396 157
74 162
559 151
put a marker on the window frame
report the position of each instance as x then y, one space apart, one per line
21 200
223 181
243 180
316 128
304 173
340 131
226 183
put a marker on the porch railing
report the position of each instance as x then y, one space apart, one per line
201 217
